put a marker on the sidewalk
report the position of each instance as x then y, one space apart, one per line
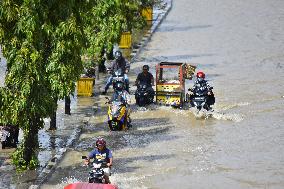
54 144
87 111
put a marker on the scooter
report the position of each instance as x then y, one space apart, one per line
95 179
117 115
200 99
144 94
96 175
118 76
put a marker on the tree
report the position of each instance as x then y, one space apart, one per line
105 23
43 41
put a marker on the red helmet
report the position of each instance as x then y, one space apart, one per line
100 142
200 74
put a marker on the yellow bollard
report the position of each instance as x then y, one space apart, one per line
125 40
148 13
85 86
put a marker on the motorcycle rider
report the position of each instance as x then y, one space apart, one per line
120 94
200 85
119 63
145 77
101 153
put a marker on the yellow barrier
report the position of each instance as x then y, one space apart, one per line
85 86
148 13
168 88
164 98
125 40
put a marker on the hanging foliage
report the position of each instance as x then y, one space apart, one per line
43 41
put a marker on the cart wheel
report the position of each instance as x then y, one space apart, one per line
187 97
181 101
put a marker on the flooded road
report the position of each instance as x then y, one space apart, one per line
239 45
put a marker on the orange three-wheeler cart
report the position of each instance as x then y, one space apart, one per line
170 82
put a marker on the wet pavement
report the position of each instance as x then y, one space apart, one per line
55 144
238 44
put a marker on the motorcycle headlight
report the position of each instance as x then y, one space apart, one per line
97 165
145 94
115 112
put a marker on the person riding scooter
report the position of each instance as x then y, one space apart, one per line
144 83
201 86
101 153
145 76
120 94
119 63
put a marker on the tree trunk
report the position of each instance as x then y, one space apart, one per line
97 72
53 121
52 125
31 142
67 105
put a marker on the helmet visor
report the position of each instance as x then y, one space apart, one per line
199 79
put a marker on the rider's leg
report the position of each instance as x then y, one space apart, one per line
106 175
109 82
128 119
126 82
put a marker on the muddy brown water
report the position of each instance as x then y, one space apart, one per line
239 45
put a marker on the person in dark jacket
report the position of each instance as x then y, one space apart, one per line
145 77
201 85
119 63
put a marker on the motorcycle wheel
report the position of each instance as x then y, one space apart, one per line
95 180
115 126
98 180
141 102
111 125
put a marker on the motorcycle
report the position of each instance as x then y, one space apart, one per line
96 175
9 136
144 94
117 115
117 77
200 98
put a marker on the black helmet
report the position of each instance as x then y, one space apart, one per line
146 67
119 86
117 55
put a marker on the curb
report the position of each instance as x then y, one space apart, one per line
54 161
147 37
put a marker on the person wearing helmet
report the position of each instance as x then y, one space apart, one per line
101 153
120 94
119 63
201 84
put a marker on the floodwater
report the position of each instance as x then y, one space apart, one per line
239 45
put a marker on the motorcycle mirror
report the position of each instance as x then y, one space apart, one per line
84 157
